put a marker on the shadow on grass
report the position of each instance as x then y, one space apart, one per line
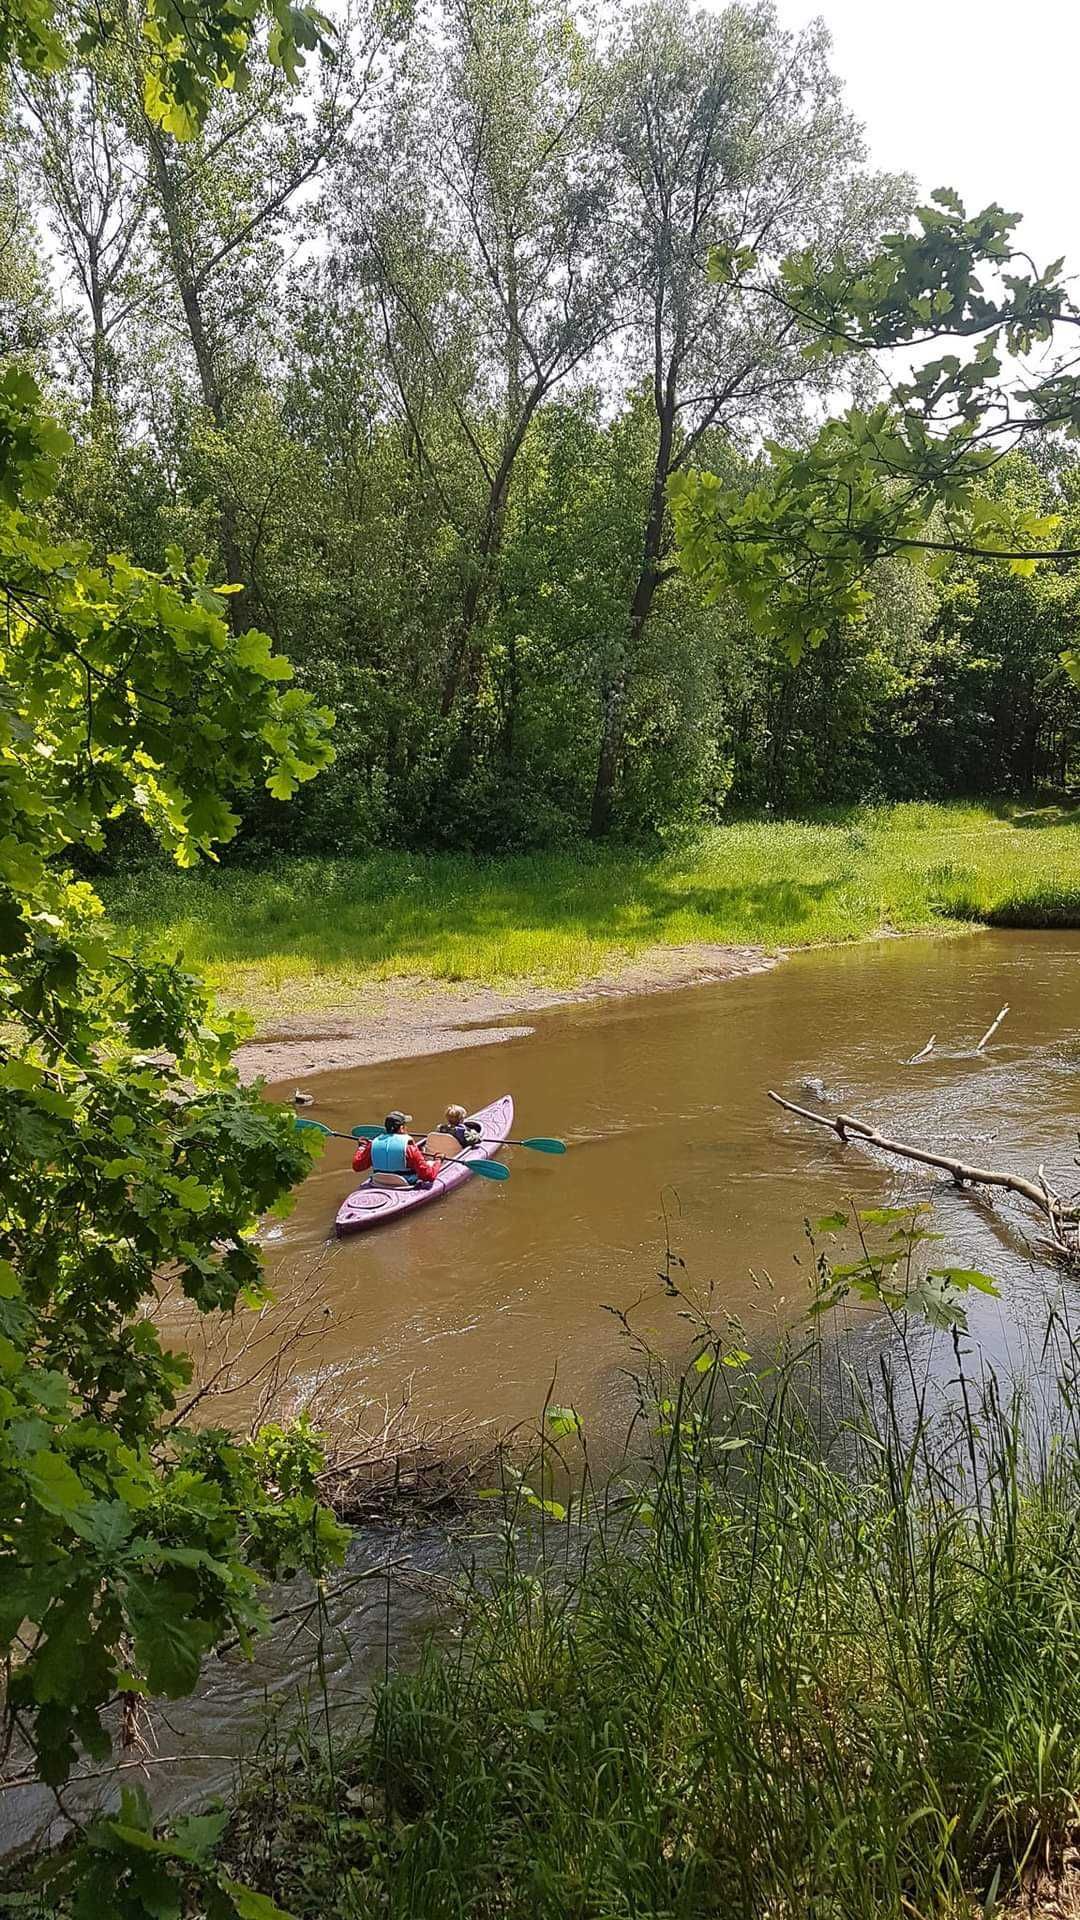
1050 907
423 911
1034 813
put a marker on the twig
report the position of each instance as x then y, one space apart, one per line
928 1049
145 1760
313 1601
991 1030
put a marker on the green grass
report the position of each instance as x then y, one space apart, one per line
317 929
835 1676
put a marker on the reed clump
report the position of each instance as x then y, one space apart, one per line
823 1659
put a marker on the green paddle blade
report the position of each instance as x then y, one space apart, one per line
544 1146
365 1133
487 1169
312 1126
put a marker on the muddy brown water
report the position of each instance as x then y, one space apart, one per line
490 1300
493 1298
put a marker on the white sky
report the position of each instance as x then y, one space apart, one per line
979 95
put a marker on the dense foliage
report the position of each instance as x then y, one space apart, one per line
129 1155
128 1152
421 355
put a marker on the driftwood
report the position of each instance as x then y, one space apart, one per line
405 1469
925 1052
1064 1237
992 1029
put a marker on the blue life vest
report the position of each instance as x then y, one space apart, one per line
389 1153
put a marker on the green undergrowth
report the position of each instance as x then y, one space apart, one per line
306 932
824 1662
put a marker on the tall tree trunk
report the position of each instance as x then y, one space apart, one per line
187 286
98 341
617 681
489 547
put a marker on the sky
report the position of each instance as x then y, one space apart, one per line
979 95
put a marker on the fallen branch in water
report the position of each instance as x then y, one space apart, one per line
1064 1238
391 1463
924 1052
427 1476
992 1029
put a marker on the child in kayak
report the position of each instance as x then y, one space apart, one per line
395 1151
465 1132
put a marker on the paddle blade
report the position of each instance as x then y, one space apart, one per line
544 1146
488 1169
312 1126
364 1133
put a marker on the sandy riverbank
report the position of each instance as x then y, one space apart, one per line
398 1019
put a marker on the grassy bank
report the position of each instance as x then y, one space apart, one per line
313 930
795 1678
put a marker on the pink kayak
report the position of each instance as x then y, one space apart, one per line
372 1206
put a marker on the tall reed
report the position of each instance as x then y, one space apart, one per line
822 1658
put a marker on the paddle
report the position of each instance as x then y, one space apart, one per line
316 1126
538 1144
487 1169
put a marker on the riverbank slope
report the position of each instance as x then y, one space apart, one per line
807 1673
389 954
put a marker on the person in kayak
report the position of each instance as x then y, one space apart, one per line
465 1132
395 1151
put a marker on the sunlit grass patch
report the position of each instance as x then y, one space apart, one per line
317 930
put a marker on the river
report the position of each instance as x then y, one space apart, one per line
490 1301
497 1296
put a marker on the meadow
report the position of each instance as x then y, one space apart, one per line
309 932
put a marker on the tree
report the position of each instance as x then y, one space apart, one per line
164 241
912 473
570 560
97 200
727 132
226 215
27 311
128 1545
481 233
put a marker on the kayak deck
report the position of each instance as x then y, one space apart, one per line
369 1206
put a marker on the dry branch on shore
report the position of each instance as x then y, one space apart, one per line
385 1462
1063 1238
402 1465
